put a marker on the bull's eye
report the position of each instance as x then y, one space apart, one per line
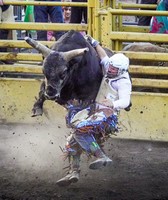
63 74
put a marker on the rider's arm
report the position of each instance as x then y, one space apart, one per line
100 51
124 88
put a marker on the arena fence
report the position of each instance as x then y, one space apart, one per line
20 82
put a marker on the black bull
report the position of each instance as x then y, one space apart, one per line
72 70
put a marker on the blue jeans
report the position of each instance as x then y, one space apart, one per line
46 13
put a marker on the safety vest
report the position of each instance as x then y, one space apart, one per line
106 91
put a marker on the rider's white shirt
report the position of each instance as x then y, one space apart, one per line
122 84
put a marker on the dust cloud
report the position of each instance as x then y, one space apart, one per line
31 162
34 149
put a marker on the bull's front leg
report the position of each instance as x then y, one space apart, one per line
38 105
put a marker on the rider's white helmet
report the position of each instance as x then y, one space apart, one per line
119 61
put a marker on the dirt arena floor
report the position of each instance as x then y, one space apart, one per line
31 162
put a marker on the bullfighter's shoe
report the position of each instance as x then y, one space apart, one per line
72 177
100 162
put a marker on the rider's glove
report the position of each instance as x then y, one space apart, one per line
92 41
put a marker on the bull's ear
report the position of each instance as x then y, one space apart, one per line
37 45
73 53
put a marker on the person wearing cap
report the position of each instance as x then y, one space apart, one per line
94 124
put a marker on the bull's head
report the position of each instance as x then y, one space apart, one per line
55 67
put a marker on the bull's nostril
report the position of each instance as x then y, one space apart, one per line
51 94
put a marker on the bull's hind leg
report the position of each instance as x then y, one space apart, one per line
38 105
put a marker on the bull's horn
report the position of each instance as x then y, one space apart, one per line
73 53
40 47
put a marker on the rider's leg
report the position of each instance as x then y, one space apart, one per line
73 153
89 144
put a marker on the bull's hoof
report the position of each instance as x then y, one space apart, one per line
37 112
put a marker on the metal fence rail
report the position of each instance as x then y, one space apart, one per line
148 117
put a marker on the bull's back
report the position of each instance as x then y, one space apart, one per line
69 41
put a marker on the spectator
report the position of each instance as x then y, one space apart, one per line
145 20
67 14
29 17
42 13
79 14
6 15
50 36
66 18
159 24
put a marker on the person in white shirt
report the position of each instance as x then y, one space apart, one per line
93 126
116 71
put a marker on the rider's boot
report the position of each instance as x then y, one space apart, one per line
101 161
90 145
73 174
